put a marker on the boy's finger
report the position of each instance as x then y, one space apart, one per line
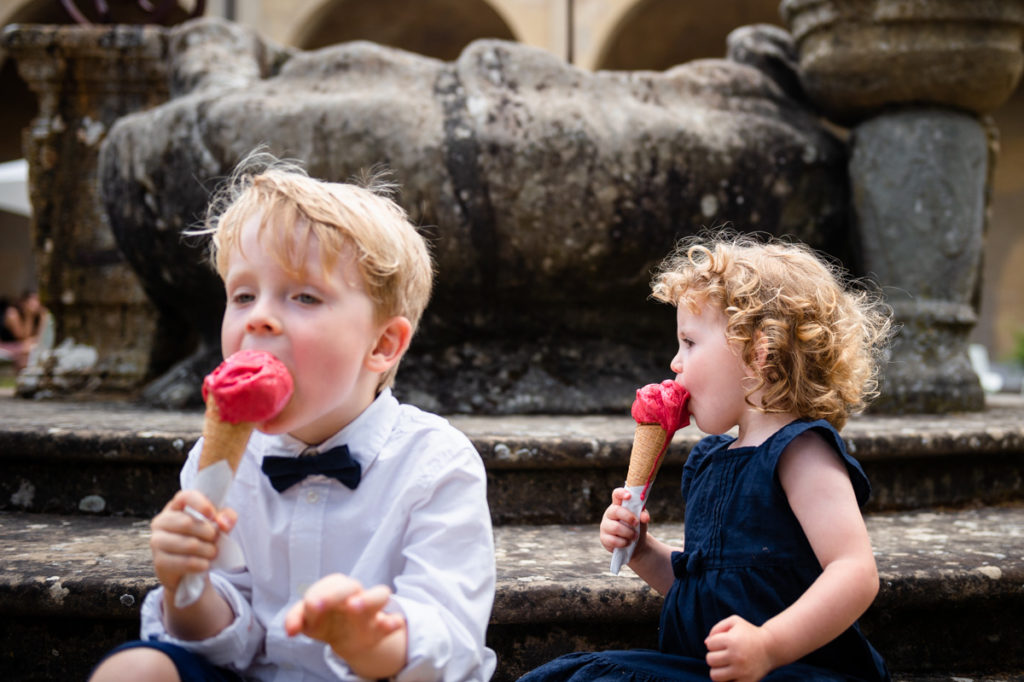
293 620
375 598
184 524
195 499
333 590
389 622
226 519
182 545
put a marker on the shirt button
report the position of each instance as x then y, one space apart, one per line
312 497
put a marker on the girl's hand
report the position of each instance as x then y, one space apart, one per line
619 526
738 651
182 543
337 611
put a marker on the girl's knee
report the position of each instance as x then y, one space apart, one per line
131 665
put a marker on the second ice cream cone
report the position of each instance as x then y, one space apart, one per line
222 439
645 458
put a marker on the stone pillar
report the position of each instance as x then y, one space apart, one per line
85 78
911 79
918 178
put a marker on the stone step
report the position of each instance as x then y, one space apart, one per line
951 599
541 469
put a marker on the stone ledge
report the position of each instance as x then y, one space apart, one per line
952 593
540 469
100 566
118 430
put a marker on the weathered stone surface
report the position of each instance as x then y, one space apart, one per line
858 56
950 594
84 78
547 192
919 178
540 469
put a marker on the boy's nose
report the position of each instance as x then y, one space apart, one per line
262 321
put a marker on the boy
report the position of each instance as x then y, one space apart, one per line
331 279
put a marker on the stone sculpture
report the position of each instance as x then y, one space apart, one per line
548 193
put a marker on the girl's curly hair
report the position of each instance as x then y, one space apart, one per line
813 338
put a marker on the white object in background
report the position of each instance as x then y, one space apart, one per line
14 188
991 382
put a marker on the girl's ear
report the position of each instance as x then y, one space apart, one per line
760 350
391 345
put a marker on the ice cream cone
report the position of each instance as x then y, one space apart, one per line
646 456
222 440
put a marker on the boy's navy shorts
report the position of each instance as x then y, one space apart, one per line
191 667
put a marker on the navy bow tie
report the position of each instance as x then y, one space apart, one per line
284 472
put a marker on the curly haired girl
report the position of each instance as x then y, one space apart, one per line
777 565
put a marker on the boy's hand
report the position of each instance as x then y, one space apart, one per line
182 543
338 611
619 525
738 650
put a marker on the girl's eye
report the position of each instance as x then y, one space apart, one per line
307 299
242 298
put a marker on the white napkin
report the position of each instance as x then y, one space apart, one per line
212 481
635 504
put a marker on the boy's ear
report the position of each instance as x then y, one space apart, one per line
391 344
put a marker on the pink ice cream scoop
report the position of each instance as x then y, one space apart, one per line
663 404
249 387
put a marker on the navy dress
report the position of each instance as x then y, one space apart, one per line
745 554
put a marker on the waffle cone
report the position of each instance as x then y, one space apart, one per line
222 439
644 460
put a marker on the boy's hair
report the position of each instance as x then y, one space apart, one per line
391 256
813 342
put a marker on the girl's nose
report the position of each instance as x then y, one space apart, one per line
262 320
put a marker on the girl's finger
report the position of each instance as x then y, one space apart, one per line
620 494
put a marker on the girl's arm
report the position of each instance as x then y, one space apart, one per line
652 559
822 498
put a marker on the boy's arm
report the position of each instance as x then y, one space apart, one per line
821 496
181 544
233 643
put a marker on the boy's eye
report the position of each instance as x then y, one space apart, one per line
307 299
242 298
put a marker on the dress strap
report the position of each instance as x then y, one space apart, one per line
784 436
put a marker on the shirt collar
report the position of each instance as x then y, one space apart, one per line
365 435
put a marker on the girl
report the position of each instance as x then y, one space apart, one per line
777 565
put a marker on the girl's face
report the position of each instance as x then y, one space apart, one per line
710 368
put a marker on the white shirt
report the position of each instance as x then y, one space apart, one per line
418 523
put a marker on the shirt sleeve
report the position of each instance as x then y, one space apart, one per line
237 644
233 647
445 589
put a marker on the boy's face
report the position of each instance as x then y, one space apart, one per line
320 325
710 368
